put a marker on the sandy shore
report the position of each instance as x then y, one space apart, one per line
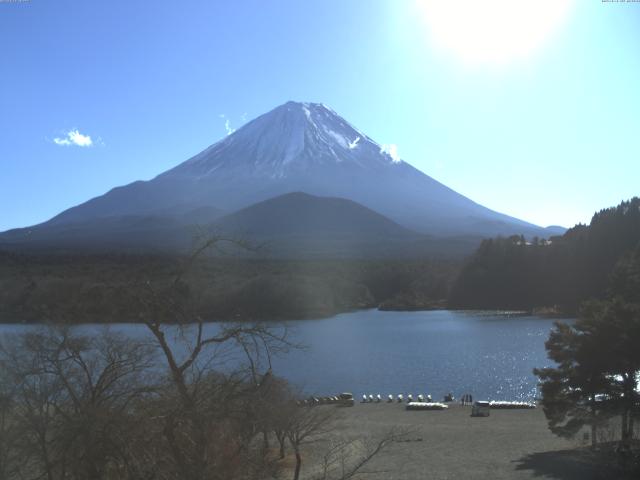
450 444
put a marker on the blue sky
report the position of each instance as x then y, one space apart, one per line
549 135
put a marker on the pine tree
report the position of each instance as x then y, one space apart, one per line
572 392
598 360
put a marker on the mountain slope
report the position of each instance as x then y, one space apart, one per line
294 225
302 225
303 214
171 230
303 147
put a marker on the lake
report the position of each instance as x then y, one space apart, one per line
487 354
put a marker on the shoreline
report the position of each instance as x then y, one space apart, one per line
318 316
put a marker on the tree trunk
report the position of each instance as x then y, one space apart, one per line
594 427
624 440
296 474
281 441
45 457
627 414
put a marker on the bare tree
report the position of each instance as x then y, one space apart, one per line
75 406
210 424
314 428
73 399
307 424
8 459
347 458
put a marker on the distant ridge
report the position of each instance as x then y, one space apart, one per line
299 213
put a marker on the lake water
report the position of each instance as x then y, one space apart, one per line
486 354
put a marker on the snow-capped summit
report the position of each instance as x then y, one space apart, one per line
301 147
288 140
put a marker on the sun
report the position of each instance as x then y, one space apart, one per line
492 31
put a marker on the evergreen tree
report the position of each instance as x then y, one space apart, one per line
563 273
572 392
598 360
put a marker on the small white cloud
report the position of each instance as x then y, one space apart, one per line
74 137
62 141
354 144
391 149
227 127
243 117
227 124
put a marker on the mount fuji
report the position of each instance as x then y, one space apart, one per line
296 147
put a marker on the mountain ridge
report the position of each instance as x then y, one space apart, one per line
299 147
302 213
293 225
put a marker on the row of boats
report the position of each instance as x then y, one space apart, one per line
390 399
424 402
499 404
421 402
426 406
344 399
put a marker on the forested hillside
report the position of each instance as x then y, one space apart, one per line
106 288
560 273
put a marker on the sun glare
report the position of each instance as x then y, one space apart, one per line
492 31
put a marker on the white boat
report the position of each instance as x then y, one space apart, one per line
505 405
426 406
